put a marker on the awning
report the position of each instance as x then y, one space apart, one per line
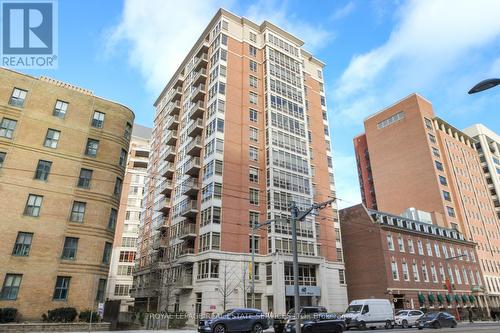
440 298
448 298
465 298
421 298
431 298
457 298
472 299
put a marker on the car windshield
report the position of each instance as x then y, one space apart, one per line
354 309
225 313
401 313
431 315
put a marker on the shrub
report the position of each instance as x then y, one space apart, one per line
8 315
85 316
177 319
63 315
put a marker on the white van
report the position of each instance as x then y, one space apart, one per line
371 313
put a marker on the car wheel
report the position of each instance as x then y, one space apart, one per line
257 328
454 324
361 326
219 328
388 324
404 323
436 324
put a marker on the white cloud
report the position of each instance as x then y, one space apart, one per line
343 11
158 34
431 39
346 184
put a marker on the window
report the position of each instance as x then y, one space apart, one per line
253 81
436 250
406 276
33 205
2 158
451 211
122 289
443 181
432 138
253 153
428 124
113 214
255 246
416 275
253 66
401 244
128 131
394 118
252 50
446 196
92 147
395 273
253 37
253 115
253 98
10 287
208 269
17 98
341 276
439 165
390 243
411 249
106 254
127 256
123 158
253 174
254 196
101 289
429 249
435 152
84 178
62 287
22 245
43 170
425 275
125 270
253 218
78 211
7 127
223 39
52 138
254 134
420 248
60 109
70 248
118 187
434 273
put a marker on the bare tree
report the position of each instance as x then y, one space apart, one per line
228 283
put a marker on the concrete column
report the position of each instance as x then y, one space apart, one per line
279 285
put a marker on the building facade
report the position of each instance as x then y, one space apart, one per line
240 132
417 159
62 161
127 227
409 262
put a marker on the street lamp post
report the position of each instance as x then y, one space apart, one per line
484 85
448 281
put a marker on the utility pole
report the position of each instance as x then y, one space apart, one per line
294 211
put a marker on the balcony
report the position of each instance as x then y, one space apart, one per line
176 94
190 209
171 138
170 154
184 281
185 250
188 230
165 205
201 62
166 187
196 128
190 187
203 48
198 94
200 77
173 108
194 147
167 170
173 123
179 81
197 110
193 166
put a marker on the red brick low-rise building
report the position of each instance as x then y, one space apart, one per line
409 262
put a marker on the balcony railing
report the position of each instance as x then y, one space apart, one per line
179 82
193 166
195 128
176 94
194 147
167 170
173 108
166 187
165 205
190 187
201 61
173 123
187 230
171 138
200 77
197 110
190 209
198 94
184 281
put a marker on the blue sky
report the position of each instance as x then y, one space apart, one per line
376 52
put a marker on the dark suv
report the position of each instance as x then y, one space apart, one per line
235 320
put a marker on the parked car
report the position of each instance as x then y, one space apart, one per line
280 321
236 320
317 323
436 320
370 313
407 318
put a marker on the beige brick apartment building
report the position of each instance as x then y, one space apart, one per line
62 161
240 131
409 157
